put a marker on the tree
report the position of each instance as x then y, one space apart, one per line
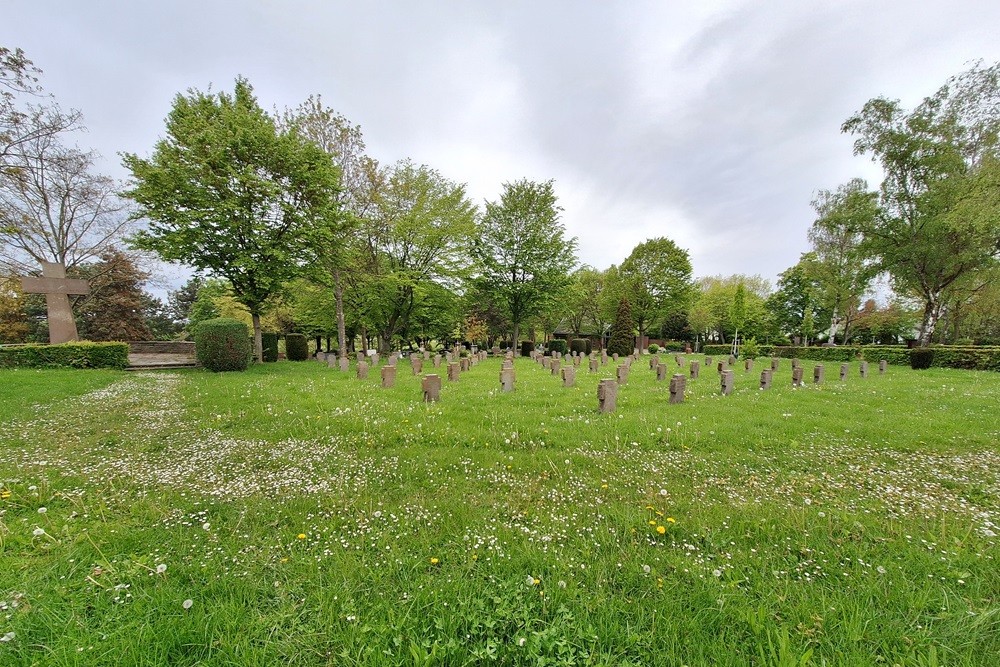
115 307
417 231
794 304
840 266
724 305
13 320
622 340
656 278
226 192
939 201
520 250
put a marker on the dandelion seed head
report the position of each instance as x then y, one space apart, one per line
187 604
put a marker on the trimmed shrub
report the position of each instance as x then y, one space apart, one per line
750 349
673 346
578 345
296 347
80 354
622 341
654 348
556 345
921 358
269 340
223 344
897 355
589 347
526 347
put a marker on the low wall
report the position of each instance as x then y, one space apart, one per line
161 347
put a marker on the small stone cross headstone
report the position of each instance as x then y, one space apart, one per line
417 365
594 364
375 359
427 355
453 372
508 363
727 382
774 363
465 364
569 376
882 365
360 356
708 361
622 374
795 363
393 358
431 385
555 366
507 379
320 356
864 369
495 351
678 383
748 365
607 395
654 361
437 361
731 360
843 371
765 379
546 362
362 370
661 372
576 361
695 369
331 361
388 376
57 290
797 376
604 357
345 364
819 374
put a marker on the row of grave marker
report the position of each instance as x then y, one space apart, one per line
607 389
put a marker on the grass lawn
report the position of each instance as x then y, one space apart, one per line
296 515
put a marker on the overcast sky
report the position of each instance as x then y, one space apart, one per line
711 123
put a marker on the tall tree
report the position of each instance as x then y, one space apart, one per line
656 277
226 192
521 251
843 270
940 197
13 320
622 339
795 304
115 308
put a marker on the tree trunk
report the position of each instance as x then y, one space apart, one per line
338 293
517 332
931 312
258 344
642 340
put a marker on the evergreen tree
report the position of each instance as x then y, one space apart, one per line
622 338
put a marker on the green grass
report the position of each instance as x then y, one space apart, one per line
850 523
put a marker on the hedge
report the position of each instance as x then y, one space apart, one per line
556 345
945 356
223 344
67 355
269 341
296 347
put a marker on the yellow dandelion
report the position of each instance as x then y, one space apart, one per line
434 561
661 529
671 519
652 523
301 536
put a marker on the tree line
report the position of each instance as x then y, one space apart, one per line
294 227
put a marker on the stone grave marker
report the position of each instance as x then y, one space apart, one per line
436 361
727 382
748 365
362 370
507 379
331 361
774 363
427 355
431 385
797 376
622 374
546 362
375 359
882 366
320 356
360 356
864 369
507 363
819 374
604 357
495 351
607 395
388 376
765 378
695 369
417 365
576 361
569 376
654 361
678 383
708 361
453 372
843 372
731 360
554 366
661 372
57 290
393 358
345 364
795 363
594 364
464 364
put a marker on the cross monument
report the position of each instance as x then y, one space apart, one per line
57 288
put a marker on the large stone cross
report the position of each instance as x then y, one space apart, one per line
57 288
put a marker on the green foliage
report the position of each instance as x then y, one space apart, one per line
750 349
945 356
622 340
717 303
556 345
921 358
71 355
113 310
795 305
269 340
653 348
226 192
578 345
296 347
656 280
521 254
526 347
223 344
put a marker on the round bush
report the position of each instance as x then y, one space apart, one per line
269 340
223 344
653 348
296 347
921 358
578 345
526 347
556 345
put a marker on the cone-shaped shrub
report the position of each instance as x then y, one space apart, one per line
270 342
622 338
223 344
296 347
